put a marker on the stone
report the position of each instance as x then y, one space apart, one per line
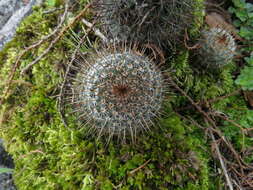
6 182
12 13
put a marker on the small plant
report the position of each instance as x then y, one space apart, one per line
6 170
217 48
243 12
244 18
116 93
162 23
245 79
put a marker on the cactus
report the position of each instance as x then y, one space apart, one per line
118 93
217 48
162 23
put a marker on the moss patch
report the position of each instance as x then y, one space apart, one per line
50 156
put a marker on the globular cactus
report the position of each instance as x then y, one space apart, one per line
217 48
161 23
115 93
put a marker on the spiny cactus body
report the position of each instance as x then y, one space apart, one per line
162 23
217 48
116 93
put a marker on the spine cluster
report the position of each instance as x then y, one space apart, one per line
217 48
117 93
162 23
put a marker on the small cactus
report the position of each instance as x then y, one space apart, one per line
162 23
115 93
217 48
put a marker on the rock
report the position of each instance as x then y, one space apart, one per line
12 13
5 159
7 8
6 182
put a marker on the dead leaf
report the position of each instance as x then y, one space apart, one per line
215 20
248 95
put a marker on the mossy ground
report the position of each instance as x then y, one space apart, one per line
49 155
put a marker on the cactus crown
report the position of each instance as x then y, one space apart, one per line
217 48
162 23
117 93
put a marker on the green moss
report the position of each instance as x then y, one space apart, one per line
49 155
201 83
198 18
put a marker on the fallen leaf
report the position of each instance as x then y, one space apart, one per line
248 95
215 20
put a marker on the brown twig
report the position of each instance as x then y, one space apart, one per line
140 167
59 36
31 152
227 119
223 166
97 32
17 62
186 38
213 129
208 102
156 51
73 57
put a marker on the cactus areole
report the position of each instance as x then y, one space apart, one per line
117 94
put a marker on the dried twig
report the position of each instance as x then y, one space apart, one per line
212 128
73 57
186 38
31 152
96 31
78 17
223 166
140 167
208 102
227 119
16 65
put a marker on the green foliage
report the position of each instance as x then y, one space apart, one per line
244 14
5 170
53 3
245 79
244 21
236 109
198 82
49 155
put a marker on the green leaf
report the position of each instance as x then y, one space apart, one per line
246 33
249 7
237 23
87 182
242 15
6 170
245 79
239 3
249 60
250 15
231 9
51 3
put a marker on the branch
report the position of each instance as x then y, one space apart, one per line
223 166
140 167
96 31
78 17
